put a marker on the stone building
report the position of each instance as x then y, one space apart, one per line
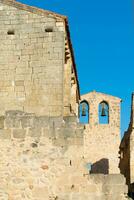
37 66
103 135
127 153
49 149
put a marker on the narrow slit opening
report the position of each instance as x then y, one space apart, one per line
49 30
10 32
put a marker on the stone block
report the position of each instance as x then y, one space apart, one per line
65 196
68 132
41 121
78 141
55 122
46 132
27 121
115 189
19 133
40 193
96 178
2 119
34 132
115 179
70 119
115 197
79 133
12 122
5 134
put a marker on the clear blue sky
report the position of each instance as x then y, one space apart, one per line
102 33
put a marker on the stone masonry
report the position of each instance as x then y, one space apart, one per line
32 60
45 152
43 158
106 137
127 153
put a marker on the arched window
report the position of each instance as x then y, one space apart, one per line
84 112
103 113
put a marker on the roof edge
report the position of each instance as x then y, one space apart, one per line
31 9
72 54
94 91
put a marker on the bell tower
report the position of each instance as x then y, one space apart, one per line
102 130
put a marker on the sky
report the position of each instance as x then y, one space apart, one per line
102 33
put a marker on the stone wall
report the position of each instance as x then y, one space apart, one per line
43 158
127 152
71 96
44 155
131 132
124 164
101 141
31 60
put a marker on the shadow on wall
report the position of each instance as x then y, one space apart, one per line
100 167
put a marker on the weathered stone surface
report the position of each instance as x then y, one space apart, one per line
101 141
5 134
2 119
127 152
115 179
19 133
44 152
34 132
32 70
40 166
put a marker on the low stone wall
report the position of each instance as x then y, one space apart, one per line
43 159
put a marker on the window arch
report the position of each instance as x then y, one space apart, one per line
84 112
103 113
